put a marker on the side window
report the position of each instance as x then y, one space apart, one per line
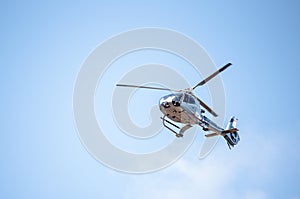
188 99
191 100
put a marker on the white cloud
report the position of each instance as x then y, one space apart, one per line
255 194
244 172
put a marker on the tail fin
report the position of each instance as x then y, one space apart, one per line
232 123
231 133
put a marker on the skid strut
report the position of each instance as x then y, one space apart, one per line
181 131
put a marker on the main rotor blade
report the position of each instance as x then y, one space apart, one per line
205 106
212 76
146 87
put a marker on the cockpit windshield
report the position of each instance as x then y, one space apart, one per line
180 97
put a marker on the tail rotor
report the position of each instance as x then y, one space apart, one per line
231 133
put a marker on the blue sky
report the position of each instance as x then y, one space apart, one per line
43 46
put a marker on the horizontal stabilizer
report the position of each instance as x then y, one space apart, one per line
211 135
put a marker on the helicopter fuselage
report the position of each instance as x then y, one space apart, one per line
181 108
184 108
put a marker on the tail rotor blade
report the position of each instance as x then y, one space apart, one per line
212 76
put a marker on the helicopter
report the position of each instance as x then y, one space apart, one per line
182 106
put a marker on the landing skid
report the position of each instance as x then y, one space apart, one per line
181 131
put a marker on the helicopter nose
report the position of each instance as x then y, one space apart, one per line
164 103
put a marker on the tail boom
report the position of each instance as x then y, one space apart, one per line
230 133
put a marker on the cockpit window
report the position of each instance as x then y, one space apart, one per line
179 96
191 100
188 99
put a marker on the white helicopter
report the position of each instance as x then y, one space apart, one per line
182 106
